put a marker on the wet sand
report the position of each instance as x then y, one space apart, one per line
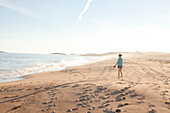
94 88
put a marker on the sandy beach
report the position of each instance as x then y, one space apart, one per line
94 88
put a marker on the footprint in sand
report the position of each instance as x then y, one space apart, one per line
104 97
140 102
79 104
14 108
84 96
141 97
152 111
121 95
92 108
168 103
97 100
86 87
36 88
92 96
88 112
13 96
134 95
108 110
101 88
121 105
83 99
19 89
54 105
52 99
46 109
100 107
103 105
49 105
15 101
91 101
64 86
129 92
111 111
74 109
28 89
115 93
124 89
118 110
44 103
151 105
76 85
86 105
90 84
79 94
120 99
88 90
96 94
106 105
108 101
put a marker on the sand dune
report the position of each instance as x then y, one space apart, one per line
94 88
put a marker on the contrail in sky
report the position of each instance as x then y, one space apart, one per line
10 4
84 10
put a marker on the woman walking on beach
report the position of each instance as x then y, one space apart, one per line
120 65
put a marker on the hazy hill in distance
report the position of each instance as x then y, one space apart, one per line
59 53
2 52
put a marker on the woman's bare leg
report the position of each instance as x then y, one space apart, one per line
121 72
118 72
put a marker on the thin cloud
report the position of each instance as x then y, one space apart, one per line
84 10
17 8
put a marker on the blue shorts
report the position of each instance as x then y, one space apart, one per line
119 66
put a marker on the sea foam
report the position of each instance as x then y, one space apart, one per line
61 63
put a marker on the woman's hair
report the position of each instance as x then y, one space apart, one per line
120 54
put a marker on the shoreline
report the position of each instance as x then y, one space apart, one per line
22 77
92 88
33 64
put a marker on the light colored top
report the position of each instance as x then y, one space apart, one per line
119 61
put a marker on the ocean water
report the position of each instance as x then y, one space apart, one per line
13 66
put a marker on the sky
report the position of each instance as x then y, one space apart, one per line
84 26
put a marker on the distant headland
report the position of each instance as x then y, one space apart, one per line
2 52
88 54
59 53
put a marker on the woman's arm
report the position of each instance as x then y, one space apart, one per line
117 61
